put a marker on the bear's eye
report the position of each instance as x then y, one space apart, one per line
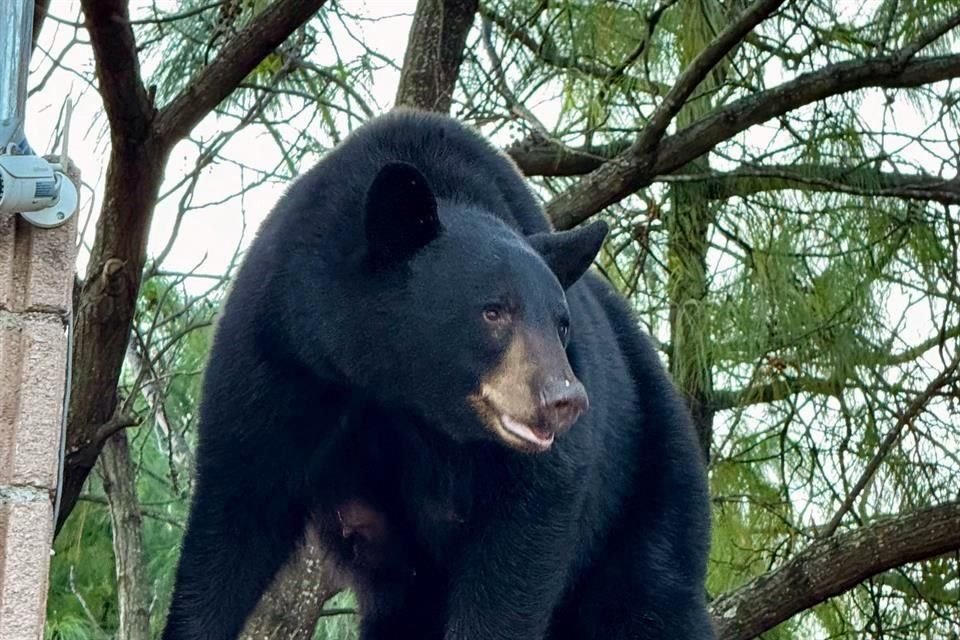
494 314
563 328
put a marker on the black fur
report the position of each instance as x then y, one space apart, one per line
339 376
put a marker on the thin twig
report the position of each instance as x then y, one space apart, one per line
945 378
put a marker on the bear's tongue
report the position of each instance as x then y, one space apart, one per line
540 438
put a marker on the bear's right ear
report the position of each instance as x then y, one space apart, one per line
401 213
570 253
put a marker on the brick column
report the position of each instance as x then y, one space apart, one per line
36 284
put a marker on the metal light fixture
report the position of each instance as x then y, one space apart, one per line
37 189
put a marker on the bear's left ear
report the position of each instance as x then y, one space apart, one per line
570 253
401 213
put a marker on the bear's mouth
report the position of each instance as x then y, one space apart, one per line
521 435
516 433
531 436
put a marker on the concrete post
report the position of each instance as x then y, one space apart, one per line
36 285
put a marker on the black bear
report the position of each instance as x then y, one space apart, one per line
411 360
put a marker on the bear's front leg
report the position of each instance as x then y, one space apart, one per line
514 573
249 511
241 530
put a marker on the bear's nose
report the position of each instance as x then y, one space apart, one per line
563 401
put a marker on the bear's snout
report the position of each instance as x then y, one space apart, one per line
563 400
532 395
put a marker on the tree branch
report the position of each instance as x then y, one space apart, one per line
890 358
539 156
547 53
626 173
829 567
695 73
84 455
145 512
931 34
238 57
514 105
833 80
863 181
129 108
40 8
434 53
945 378
115 425
786 386
722 400
293 604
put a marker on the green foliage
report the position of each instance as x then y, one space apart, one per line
82 601
184 40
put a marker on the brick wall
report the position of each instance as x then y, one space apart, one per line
36 282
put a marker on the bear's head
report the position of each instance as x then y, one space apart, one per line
464 320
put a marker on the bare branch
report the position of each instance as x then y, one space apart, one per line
698 69
547 52
236 60
145 512
500 79
116 424
293 604
626 173
805 89
540 156
863 181
722 400
340 611
932 34
40 8
129 108
85 455
834 565
945 378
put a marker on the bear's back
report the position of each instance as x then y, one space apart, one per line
460 166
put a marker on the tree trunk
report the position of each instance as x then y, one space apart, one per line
434 53
105 310
141 138
40 8
691 365
133 589
688 230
